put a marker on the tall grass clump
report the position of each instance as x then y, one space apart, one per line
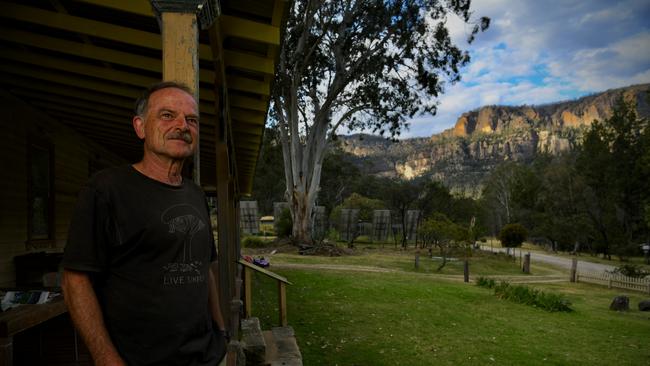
526 295
485 282
253 242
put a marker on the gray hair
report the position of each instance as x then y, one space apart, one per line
142 103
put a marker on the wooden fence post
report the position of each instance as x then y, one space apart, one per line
466 271
248 291
282 299
526 268
574 270
609 281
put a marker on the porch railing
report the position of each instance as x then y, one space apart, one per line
249 268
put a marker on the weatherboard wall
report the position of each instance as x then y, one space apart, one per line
72 159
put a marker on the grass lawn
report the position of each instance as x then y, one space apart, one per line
408 318
481 263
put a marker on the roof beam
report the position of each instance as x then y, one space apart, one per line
126 35
85 50
139 81
248 85
246 29
117 121
245 61
242 115
248 103
100 98
140 7
73 80
247 129
53 100
123 58
77 67
231 26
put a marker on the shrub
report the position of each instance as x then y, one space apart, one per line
513 235
553 302
284 224
332 235
631 270
485 282
267 229
526 295
365 205
253 242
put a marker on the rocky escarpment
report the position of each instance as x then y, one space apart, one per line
481 139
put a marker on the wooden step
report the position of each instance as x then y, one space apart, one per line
281 347
253 342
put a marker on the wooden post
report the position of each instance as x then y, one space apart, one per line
6 351
248 291
282 299
233 255
574 270
526 267
417 260
609 281
180 44
466 271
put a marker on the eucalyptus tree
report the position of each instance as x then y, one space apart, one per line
363 65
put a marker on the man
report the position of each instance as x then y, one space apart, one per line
137 278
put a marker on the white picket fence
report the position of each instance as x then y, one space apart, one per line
615 280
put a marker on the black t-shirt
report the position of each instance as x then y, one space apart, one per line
148 247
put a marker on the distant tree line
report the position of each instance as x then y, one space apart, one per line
596 199
343 185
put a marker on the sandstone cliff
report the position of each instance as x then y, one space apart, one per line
481 139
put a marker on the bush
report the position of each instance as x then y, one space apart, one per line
526 295
332 235
631 270
284 224
267 230
485 282
553 302
513 235
253 242
365 205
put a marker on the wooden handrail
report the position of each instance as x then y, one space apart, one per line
248 293
264 271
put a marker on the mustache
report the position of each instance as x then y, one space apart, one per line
180 135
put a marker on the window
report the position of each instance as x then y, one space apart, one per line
40 182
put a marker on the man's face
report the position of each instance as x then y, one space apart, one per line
171 125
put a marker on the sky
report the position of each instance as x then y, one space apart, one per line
544 51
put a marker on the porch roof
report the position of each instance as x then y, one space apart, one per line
84 62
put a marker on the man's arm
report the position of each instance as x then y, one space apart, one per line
87 317
213 299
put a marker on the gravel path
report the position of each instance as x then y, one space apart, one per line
564 263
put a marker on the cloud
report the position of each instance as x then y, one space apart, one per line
544 51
